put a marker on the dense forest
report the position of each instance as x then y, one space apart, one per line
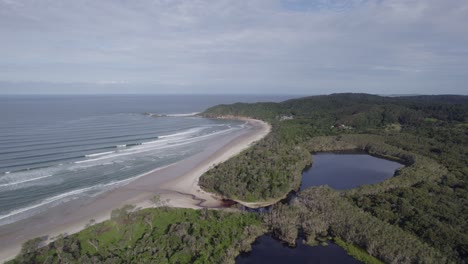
418 216
427 200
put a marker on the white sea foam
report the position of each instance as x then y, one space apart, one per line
142 150
147 148
98 154
76 193
47 201
183 115
24 181
122 134
188 132
171 141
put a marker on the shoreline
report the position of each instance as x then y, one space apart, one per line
188 184
181 190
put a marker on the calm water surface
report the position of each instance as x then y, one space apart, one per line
269 250
347 171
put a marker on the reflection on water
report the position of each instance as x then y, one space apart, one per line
347 171
269 250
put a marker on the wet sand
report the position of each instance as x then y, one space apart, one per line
177 185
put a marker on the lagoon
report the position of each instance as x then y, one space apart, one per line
266 249
343 171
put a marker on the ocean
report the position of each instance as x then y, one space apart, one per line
59 148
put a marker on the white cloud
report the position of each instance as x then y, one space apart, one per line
258 46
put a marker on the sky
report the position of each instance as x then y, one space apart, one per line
236 46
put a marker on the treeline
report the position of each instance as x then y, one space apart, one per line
418 168
358 110
163 235
382 110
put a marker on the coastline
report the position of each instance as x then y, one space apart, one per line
181 190
188 183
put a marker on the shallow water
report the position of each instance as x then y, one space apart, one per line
346 171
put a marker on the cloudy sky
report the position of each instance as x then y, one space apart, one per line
237 46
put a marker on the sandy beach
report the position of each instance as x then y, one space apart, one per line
177 185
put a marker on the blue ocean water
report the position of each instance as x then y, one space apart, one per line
58 148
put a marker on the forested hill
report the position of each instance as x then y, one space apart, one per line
426 200
358 110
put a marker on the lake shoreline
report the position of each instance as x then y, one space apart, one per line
358 151
180 191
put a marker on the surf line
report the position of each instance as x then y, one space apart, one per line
29 180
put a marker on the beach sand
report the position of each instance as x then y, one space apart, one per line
177 185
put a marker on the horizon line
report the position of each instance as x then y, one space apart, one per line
223 94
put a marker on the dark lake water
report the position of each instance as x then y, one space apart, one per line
269 250
346 171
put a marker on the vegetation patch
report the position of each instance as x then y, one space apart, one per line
162 235
267 171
